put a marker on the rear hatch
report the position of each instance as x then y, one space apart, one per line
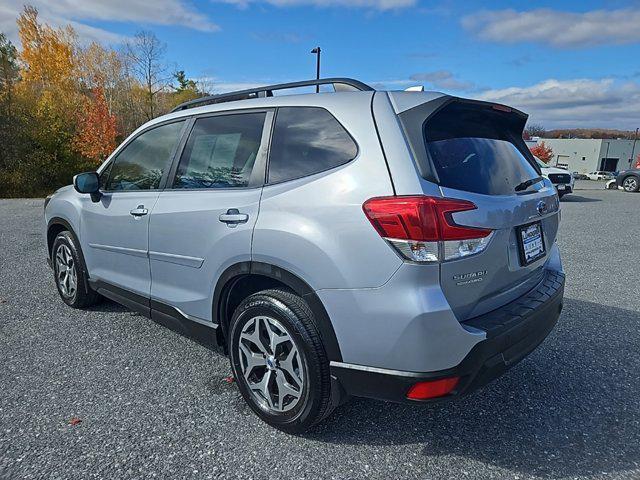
474 152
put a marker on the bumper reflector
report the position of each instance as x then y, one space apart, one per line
432 388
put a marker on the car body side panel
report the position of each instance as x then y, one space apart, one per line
189 247
622 176
315 227
64 205
405 324
329 244
114 242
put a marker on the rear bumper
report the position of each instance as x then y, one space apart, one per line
512 332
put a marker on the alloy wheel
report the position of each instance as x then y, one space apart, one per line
630 184
66 274
271 364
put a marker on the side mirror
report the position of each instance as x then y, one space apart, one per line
88 182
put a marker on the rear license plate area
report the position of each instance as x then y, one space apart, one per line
530 242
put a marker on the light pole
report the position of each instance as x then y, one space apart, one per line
317 51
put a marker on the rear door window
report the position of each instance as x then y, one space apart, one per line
221 151
307 140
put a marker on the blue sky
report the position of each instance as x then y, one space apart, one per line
568 64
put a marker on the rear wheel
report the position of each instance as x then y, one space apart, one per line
70 273
631 184
279 362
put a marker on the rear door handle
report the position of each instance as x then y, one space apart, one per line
233 217
139 211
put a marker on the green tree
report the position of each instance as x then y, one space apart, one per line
186 90
9 75
184 84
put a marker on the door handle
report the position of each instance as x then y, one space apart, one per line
233 217
139 211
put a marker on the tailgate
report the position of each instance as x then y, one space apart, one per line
474 152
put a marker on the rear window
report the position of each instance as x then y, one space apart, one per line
480 165
476 148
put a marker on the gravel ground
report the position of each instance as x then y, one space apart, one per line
155 404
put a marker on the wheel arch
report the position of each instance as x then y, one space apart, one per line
244 278
56 225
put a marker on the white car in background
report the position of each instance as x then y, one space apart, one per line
599 175
562 179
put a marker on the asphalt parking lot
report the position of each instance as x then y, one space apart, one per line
154 404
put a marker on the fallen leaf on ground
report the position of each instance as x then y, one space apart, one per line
74 421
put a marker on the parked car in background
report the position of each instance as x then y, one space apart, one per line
629 180
599 175
579 176
391 245
611 185
561 178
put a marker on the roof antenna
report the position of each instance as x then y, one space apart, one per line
415 88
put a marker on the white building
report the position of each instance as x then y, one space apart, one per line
584 155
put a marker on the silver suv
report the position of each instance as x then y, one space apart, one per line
392 245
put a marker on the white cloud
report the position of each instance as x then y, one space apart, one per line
158 12
372 4
443 79
75 12
604 103
557 28
588 103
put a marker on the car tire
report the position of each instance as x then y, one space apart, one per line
70 273
279 362
631 184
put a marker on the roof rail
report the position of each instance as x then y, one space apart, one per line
344 84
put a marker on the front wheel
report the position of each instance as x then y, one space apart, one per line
279 362
631 184
70 273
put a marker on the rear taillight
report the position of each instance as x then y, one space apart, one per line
422 229
432 388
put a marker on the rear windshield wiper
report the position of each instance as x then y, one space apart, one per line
527 183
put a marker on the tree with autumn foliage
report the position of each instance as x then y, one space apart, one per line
543 152
65 105
96 135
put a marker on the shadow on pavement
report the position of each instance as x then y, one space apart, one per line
572 198
107 305
571 408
